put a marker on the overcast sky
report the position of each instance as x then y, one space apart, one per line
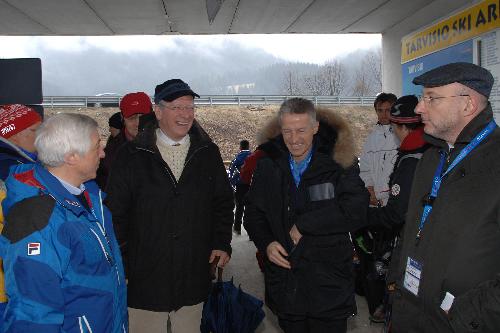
292 47
120 64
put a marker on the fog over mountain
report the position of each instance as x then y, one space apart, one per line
226 69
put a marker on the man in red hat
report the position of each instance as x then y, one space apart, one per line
18 124
132 107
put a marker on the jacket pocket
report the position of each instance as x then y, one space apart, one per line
324 191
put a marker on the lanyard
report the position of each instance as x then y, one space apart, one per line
438 177
299 168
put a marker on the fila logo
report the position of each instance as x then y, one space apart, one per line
8 129
34 249
398 111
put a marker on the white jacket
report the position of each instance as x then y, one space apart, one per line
377 160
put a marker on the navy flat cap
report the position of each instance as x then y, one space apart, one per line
173 89
470 75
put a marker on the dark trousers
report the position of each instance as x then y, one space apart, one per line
373 286
239 196
313 325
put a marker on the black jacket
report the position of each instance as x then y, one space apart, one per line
112 147
169 227
460 243
330 201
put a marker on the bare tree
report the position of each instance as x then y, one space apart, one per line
361 83
334 75
373 63
315 83
291 83
368 79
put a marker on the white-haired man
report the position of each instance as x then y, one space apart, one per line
63 265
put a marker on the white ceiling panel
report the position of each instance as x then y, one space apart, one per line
156 17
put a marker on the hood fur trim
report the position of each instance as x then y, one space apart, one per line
344 149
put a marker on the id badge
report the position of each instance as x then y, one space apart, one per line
412 276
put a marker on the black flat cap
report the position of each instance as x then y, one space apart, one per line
173 89
470 75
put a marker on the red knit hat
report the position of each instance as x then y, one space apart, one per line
15 118
134 103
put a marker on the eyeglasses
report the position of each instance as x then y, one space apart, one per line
428 99
178 107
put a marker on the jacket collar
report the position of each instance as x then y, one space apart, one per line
414 140
469 132
7 145
146 140
334 137
55 189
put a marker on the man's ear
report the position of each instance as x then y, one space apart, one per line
157 112
71 158
473 106
316 127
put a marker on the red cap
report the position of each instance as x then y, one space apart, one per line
134 103
15 118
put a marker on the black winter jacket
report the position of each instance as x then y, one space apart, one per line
169 227
459 247
330 201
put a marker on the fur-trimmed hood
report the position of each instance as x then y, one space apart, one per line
334 134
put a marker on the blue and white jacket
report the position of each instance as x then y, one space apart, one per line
235 167
63 266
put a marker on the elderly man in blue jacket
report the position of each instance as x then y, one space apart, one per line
63 266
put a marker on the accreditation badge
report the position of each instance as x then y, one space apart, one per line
412 276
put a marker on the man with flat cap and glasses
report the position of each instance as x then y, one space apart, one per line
449 276
172 206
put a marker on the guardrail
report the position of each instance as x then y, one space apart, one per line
114 101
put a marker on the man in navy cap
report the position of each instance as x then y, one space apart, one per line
448 270
172 207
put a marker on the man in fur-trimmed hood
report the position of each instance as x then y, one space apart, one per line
305 197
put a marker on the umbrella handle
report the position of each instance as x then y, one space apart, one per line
213 268
219 274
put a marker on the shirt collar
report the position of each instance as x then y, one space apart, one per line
70 188
168 141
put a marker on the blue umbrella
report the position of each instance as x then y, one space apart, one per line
230 310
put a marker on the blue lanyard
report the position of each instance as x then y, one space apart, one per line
298 169
438 177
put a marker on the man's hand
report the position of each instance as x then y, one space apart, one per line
373 197
295 235
276 254
223 260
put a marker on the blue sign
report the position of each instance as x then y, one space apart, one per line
457 53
